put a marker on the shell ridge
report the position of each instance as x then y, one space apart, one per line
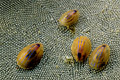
25 53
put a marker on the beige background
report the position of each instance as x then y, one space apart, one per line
24 22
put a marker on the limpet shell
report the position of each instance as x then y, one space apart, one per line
30 56
68 18
99 57
81 48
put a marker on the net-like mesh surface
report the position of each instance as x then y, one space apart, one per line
24 22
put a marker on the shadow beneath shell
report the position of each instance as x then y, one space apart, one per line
25 70
64 29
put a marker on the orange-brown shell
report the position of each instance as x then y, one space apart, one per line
99 57
81 48
30 56
68 18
